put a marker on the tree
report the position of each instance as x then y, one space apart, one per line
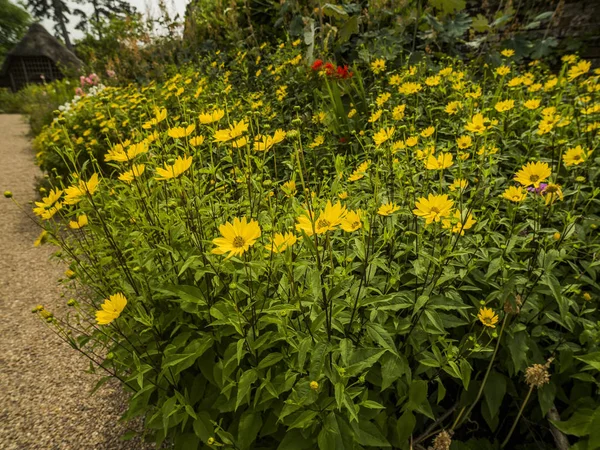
56 10
14 21
102 10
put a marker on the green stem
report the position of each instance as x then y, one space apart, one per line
514 425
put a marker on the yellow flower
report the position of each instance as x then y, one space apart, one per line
233 132
360 171
398 112
351 221
550 84
395 80
412 141
459 222
241 142
464 142
74 194
136 171
269 141
488 317
314 385
174 170
318 141
180 132
533 174
281 93
433 81
280 242
41 239
387 209
328 220
197 141
383 135
378 66
237 237
434 208
409 88
533 103
351 113
343 195
375 116
47 203
515 194
477 124
443 161
382 99
505 105
452 107
579 69
552 192
446 71
81 221
507 52
503 70
111 309
214 116
574 156
289 188
427 132
460 184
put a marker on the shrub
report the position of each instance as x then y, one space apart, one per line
259 278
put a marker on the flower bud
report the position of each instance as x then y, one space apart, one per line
587 296
210 441
314 385
71 302
8 194
556 236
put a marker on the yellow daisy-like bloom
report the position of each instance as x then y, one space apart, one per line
459 222
488 317
74 194
289 188
433 80
427 132
136 171
398 112
515 194
434 208
375 116
196 141
582 67
553 192
573 156
352 113
233 132
239 143
237 237
503 70
464 142
378 66
343 195
318 141
443 161
409 88
119 154
446 71
174 170
383 135
507 52
41 239
460 184
360 171
211 117
533 103
412 141
452 107
267 142
111 309
180 132
533 173
328 220
382 99
395 80
477 124
505 105
387 209
81 221
351 221
280 242
47 203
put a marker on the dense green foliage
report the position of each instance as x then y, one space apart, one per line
348 308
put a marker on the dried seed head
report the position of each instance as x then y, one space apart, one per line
442 441
537 375
516 309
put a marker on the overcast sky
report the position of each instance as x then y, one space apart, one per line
148 7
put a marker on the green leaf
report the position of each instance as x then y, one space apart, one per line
244 386
578 424
405 426
593 359
372 405
546 395
330 435
369 435
250 424
594 441
203 426
181 361
480 23
381 336
493 392
417 394
305 419
465 373
554 285
392 367
349 28
269 360
448 6
335 11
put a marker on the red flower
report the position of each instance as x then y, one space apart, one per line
343 72
329 69
317 64
343 140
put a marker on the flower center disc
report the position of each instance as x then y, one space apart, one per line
238 242
323 223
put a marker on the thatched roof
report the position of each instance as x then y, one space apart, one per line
38 42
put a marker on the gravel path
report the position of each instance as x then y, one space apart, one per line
44 393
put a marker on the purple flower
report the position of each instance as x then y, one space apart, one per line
540 190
